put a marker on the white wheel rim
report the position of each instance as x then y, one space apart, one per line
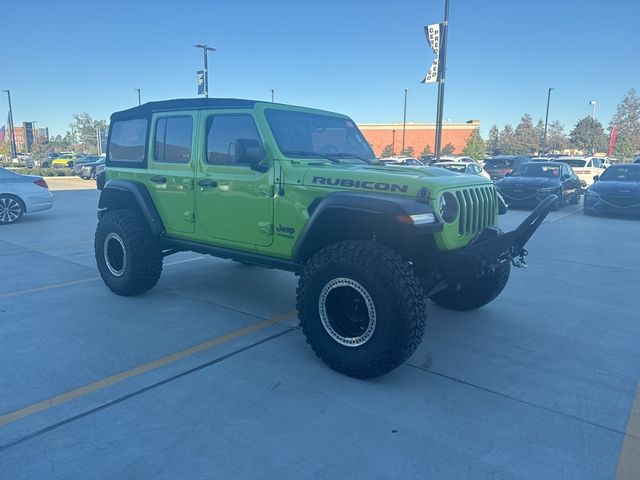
341 329
10 210
115 255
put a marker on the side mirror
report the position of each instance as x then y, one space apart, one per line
249 152
508 174
566 176
596 178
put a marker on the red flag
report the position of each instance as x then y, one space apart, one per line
612 141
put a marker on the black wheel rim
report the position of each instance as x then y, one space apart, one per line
347 312
115 254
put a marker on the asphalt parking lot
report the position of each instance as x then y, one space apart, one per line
208 376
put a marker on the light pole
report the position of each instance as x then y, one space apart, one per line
546 120
404 118
138 90
272 95
205 49
12 135
593 109
442 68
393 142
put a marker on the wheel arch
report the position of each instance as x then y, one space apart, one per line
344 216
130 194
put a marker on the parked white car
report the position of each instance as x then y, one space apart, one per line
402 161
470 168
585 168
456 158
20 194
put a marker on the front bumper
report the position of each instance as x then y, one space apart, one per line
493 247
598 204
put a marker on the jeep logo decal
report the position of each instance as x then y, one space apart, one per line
345 182
285 231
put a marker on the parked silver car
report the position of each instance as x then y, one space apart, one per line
20 194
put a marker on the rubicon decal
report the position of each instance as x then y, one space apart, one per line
365 184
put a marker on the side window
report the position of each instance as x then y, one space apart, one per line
173 139
127 140
228 136
597 163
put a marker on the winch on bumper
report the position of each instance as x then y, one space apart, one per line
493 247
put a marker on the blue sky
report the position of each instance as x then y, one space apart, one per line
355 57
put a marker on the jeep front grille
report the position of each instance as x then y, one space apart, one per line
478 206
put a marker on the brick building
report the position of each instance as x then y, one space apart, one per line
417 135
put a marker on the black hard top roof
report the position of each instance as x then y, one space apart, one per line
182 104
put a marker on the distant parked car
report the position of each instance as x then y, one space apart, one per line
585 168
530 183
23 160
51 156
81 162
87 170
455 158
427 159
402 161
617 190
637 159
20 194
500 165
470 168
66 160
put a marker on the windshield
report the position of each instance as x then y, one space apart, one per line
621 173
452 166
302 134
574 162
537 170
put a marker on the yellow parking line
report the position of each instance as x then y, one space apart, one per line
47 287
629 460
119 377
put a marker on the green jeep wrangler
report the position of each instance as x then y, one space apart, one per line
300 189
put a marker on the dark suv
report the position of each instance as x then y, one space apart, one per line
498 167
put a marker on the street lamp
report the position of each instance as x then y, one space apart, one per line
272 95
205 49
593 109
12 134
138 90
546 119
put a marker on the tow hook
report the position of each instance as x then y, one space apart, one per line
520 260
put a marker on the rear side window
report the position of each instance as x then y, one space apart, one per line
127 140
224 132
173 139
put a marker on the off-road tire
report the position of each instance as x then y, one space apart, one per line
142 264
394 291
477 294
11 209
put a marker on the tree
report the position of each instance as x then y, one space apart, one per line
540 133
448 149
493 142
474 147
407 151
387 151
623 147
627 118
86 131
505 141
556 138
526 140
426 150
588 135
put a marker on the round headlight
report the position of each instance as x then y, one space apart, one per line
448 207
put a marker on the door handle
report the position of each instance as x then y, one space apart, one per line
158 179
207 182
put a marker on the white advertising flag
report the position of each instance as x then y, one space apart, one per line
433 37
